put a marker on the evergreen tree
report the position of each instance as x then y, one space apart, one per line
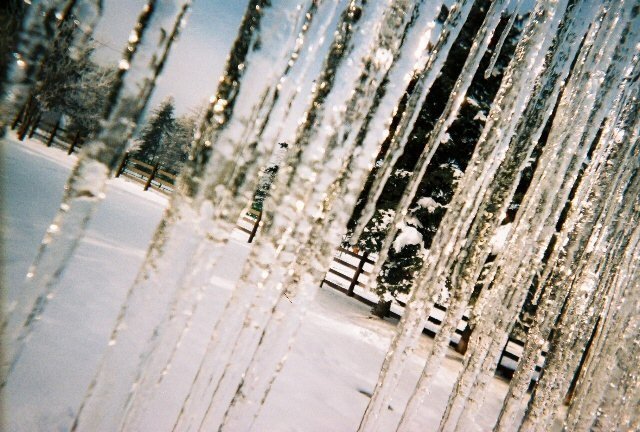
268 177
86 98
69 83
175 150
446 166
11 15
157 134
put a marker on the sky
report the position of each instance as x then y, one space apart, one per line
196 60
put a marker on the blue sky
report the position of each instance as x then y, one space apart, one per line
198 57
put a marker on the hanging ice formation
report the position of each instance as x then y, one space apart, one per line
195 287
347 41
435 137
465 270
148 292
451 28
575 238
42 23
281 329
558 269
142 62
329 218
608 393
449 239
503 37
563 154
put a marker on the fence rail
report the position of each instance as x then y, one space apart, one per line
153 176
349 274
148 175
52 134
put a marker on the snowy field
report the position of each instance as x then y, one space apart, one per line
323 387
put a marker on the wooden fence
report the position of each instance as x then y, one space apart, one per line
250 222
348 267
350 273
148 175
53 135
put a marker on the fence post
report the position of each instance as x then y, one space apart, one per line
35 125
74 143
123 163
25 124
357 273
18 117
463 344
255 227
151 177
503 351
54 131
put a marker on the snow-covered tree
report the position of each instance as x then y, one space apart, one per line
445 168
70 84
86 98
157 134
11 14
268 176
177 147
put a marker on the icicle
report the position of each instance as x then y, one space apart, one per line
626 414
451 29
551 301
584 302
157 279
590 389
277 338
458 95
195 285
608 370
447 241
283 324
616 394
595 379
563 361
503 37
85 186
265 252
142 62
43 23
466 272
351 111
535 220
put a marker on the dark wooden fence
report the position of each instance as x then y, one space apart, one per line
53 135
348 266
350 272
250 222
148 175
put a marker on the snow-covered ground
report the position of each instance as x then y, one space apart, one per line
323 386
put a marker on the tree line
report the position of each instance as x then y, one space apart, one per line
73 88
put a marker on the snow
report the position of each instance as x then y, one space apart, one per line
330 371
429 204
481 116
408 236
76 326
231 355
